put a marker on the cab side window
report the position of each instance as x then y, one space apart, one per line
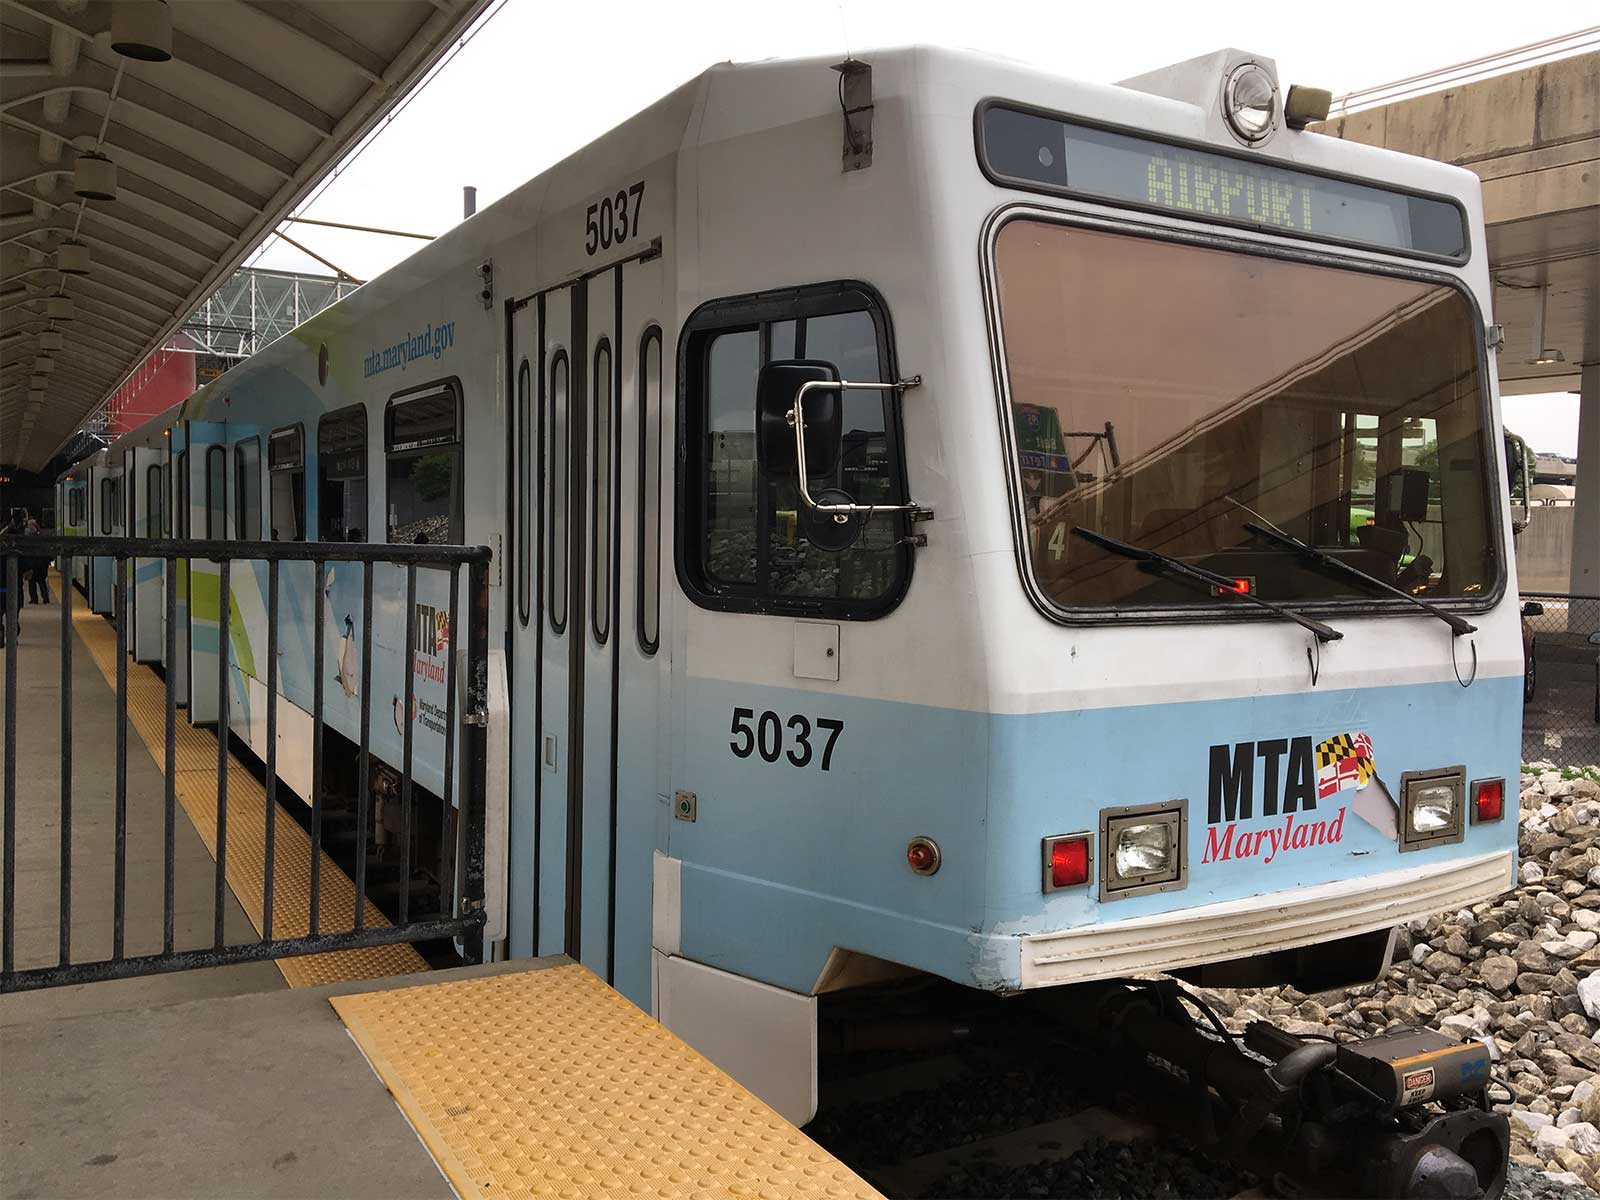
342 475
286 467
746 539
423 485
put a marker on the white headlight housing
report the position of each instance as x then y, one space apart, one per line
1250 103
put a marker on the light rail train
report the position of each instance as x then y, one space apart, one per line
946 519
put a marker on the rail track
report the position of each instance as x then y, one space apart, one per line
933 1091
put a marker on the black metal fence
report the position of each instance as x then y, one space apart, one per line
1561 716
459 911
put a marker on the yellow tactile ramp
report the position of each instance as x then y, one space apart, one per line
195 783
548 1083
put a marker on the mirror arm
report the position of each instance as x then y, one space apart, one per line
797 418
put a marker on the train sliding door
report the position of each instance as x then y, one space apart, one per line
586 811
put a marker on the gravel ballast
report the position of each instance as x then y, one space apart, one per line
1522 971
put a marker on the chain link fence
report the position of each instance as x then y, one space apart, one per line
1561 685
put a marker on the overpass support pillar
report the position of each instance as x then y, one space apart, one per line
1586 517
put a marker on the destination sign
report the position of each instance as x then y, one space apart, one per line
1044 153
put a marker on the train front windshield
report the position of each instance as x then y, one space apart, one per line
1165 394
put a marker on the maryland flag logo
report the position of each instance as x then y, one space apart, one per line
1344 761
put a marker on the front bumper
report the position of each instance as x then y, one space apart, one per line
1277 921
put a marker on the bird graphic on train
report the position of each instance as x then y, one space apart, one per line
346 661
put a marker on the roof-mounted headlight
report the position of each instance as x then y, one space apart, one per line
1250 103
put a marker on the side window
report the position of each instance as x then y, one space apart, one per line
286 468
247 490
745 541
556 444
216 493
342 475
108 505
154 493
423 493
600 501
650 490
524 498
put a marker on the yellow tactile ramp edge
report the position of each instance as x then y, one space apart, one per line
195 783
548 1083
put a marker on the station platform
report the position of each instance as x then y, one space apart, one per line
520 1079
351 1074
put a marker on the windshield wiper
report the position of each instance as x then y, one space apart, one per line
1324 559
1150 560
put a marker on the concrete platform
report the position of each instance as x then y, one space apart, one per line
94 722
258 1095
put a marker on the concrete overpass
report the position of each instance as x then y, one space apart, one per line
1533 137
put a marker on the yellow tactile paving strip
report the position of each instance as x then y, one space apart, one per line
195 783
548 1083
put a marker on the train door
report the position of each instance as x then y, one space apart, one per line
586 807
181 489
148 598
208 515
525 614
108 522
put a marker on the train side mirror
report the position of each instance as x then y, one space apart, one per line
778 390
1532 608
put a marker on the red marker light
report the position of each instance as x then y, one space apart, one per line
1488 799
1240 586
1069 862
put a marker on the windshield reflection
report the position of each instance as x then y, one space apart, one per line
1163 393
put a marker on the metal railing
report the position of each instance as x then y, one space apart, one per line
1561 715
459 913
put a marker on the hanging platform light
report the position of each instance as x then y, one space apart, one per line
44 366
59 308
37 383
72 258
51 340
142 29
94 177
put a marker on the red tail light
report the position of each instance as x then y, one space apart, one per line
1066 862
1488 799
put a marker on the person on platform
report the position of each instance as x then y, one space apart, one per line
38 567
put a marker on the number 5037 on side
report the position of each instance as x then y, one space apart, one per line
775 737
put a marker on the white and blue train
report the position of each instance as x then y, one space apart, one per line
945 518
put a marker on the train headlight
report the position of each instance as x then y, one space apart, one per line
1250 103
1144 849
1433 807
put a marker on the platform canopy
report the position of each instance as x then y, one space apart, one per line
190 161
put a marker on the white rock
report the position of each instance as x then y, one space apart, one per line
1564 1178
1593 876
1529 1123
1583 1137
1567 1116
1589 993
1579 941
1530 872
1552 1137
1587 918
1419 952
1583 1091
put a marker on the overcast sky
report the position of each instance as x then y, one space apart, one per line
540 80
